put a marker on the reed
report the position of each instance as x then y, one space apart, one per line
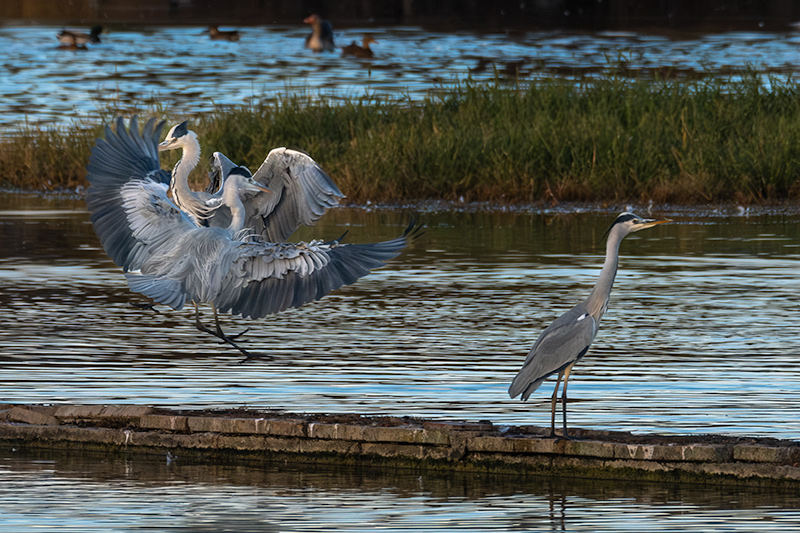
607 139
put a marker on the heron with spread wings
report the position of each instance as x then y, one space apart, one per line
564 342
300 191
170 258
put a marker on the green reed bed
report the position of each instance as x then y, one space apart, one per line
607 139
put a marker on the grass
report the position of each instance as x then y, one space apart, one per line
613 139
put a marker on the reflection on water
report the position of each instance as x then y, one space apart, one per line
700 336
114 493
183 70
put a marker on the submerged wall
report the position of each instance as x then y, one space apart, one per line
213 436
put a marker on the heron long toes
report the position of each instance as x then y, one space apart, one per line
252 357
236 335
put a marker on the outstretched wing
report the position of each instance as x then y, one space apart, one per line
221 166
125 155
562 343
300 193
270 277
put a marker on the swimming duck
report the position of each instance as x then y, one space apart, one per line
69 43
360 51
226 35
76 38
321 38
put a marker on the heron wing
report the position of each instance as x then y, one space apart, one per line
124 155
221 166
269 277
159 228
562 343
300 193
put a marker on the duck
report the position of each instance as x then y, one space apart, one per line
364 50
71 44
321 37
226 35
76 38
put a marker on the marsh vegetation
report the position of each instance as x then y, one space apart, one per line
607 139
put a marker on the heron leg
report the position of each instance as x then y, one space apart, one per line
220 333
217 332
199 325
553 401
564 399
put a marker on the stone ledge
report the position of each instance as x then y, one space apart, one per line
451 445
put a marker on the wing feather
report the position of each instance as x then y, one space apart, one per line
270 277
301 193
124 155
562 343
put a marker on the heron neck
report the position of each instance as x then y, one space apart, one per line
181 192
597 302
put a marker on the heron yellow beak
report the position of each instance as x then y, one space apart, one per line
651 223
253 185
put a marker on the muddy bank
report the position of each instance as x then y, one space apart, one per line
224 436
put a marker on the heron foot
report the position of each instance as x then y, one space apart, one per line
252 357
226 339
564 435
237 335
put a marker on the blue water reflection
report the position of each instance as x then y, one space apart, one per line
89 493
181 69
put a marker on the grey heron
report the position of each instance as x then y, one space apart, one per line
300 191
564 342
321 37
172 260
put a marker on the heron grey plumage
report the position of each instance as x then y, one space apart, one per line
171 259
300 191
564 342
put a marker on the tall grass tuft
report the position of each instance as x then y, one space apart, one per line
611 138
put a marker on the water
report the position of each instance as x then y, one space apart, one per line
182 70
90 493
700 336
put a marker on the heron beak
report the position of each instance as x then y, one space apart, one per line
166 145
255 186
649 223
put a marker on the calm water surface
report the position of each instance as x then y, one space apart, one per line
101 493
182 70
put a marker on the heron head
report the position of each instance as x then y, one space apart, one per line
176 137
630 222
240 181
242 171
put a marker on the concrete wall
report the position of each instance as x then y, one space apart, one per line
456 446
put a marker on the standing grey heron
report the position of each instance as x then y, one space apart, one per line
300 191
564 342
172 260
